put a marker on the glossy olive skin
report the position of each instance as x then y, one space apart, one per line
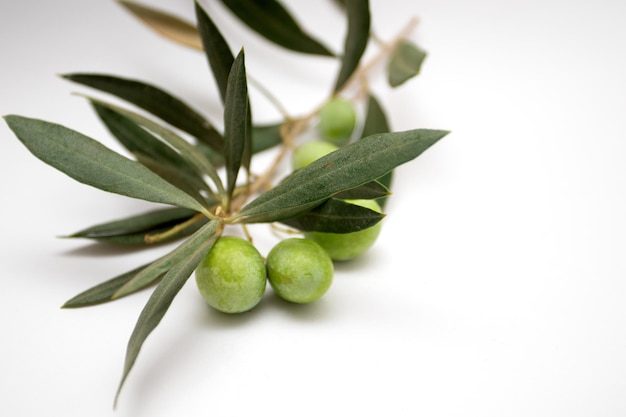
232 276
337 120
299 270
308 152
347 246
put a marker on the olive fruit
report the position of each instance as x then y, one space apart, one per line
299 270
337 119
308 152
232 276
346 246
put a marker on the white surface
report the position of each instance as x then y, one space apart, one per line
497 287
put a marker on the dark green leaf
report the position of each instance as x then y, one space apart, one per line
156 101
235 121
348 167
133 229
165 24
166 262
190 153
216 49
358 12
163 295
101 293
270 19
152 152
370 190
91 163
405 63
265 137
376 122
335 216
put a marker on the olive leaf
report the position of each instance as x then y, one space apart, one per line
216 48
335 216
270 19
346 168
133 229
370 190
376 122
358 12
405 63
165 24
152 152
102 292
156 101
188 152
236 134
164 263
89 162
163 295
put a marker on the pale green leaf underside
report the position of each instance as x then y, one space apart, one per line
89 162
405 63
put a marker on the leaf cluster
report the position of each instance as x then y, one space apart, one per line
181 160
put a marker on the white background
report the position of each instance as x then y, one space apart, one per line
497 286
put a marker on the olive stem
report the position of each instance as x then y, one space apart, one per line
159 237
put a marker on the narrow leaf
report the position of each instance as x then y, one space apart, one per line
405 63
376 122
101 293
358 12
133 229
165 24
216 49
270 19
190 153
166 262
235 121
369 191
151 151
155 101
265 137
162 297
335 216
348 167
89 162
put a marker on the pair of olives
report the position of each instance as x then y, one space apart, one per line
232 277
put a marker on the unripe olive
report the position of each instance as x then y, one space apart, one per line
232 276
308 152
337 119
299 270
346 246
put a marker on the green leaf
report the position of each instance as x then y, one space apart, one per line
370 190
101 293
216 49
358 12
156 101
266 136
235 121
335 216
346 168
188 152
270 19
163 295
166 262
152 152
89 162
167 25
376 122
133 229
405 63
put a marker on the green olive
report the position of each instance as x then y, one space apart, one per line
232 276
299 270
337 119
346 246
308 152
